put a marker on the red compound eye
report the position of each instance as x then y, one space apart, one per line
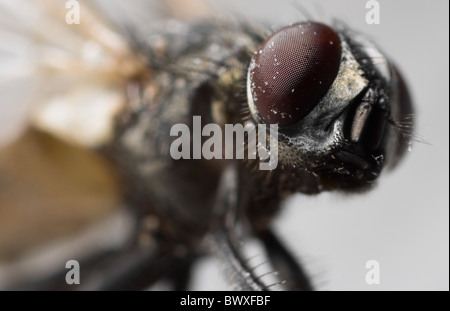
293 70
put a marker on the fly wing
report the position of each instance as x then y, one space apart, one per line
72 77
61 85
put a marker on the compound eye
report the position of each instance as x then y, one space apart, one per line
292 71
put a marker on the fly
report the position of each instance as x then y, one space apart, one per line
340 119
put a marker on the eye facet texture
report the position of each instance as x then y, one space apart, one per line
293 70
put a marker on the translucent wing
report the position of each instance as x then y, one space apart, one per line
71 76
60 86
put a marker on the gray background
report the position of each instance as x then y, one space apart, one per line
403 223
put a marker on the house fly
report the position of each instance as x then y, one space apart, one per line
109 97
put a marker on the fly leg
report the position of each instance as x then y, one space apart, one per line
284 263
228 205
180 278
136 269
128 269
224 242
